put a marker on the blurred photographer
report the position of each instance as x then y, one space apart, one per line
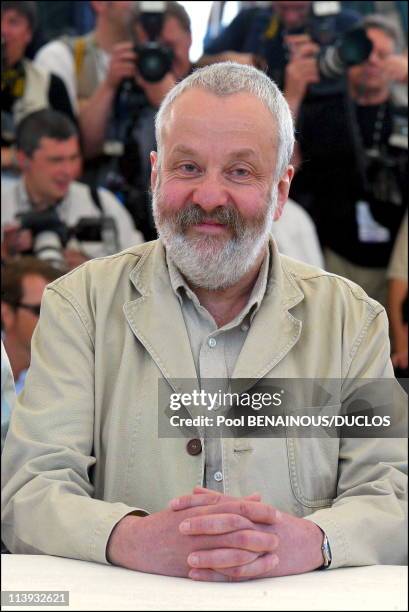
25 88
268 37
50 214
22 285
354 150
116 103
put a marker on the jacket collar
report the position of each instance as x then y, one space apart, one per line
157 321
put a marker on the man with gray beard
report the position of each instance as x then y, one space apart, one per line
87 473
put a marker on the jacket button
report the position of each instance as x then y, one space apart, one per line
194 447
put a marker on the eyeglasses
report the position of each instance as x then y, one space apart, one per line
33 308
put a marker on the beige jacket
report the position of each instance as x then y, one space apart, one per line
83 448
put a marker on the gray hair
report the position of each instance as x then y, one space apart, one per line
384 23
226 78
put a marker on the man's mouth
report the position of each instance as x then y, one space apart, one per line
62 184
211 227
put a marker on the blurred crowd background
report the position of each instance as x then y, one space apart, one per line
81 83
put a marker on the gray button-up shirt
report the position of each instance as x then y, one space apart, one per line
215 351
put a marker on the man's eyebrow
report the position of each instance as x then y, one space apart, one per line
245 153
184 150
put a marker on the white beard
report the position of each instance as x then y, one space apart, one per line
210 262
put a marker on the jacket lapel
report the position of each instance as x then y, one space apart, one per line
156 320
274 330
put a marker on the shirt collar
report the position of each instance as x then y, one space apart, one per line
24 202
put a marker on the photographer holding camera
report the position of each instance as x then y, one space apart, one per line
353 144
25 87
119 89
267 36
48 213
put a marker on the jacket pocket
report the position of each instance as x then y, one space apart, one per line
313 469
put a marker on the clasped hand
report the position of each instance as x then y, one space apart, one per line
213 537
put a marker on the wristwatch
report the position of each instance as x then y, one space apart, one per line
326 553
138 513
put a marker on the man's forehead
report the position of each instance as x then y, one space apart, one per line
33 283
380 38
12 13
243 153
47 142
208 111
237 125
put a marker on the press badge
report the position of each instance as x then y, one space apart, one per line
369 230
113 148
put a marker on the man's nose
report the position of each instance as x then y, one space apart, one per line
210 193
374 58
67 168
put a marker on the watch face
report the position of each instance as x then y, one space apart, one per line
326 552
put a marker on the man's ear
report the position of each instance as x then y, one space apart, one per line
97 6
8 316
154 169
23 160
283 188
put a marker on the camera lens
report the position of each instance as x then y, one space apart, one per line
47 246
154 61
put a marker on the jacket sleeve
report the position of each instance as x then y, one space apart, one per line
47 496
366 524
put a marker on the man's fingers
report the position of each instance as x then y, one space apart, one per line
191 501
253 510
205 497
214 524
208 575
258 568
221 558
253 497
204 490
252 540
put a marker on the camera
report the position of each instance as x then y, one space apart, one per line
51 234
337 52
154 59
386 168
351 49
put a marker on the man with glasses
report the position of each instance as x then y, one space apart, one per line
22 286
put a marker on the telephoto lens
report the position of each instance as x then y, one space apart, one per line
353 48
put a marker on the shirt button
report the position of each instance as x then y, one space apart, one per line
194 447
212 342
245 327
218 476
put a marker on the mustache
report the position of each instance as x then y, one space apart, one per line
193 214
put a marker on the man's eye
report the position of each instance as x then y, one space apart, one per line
240 172
188 168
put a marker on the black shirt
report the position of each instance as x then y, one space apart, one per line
337 174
